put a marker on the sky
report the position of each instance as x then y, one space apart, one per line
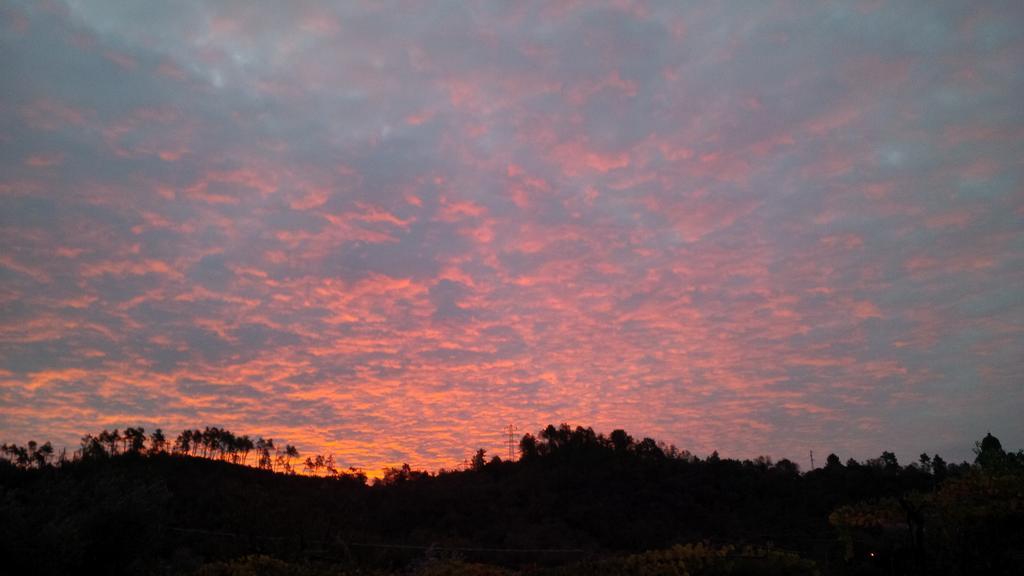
387 230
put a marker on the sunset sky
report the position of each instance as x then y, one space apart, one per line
385 230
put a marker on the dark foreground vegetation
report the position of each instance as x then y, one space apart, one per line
576 502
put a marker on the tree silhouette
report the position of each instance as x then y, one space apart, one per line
925 463
479 460
245 445
197 441
528 447
290 452
18 455
317 463
939 468
787 466
833 462
92 447
29 456
404 474
111 439
42 455
989 453
889 461
183 444
264 447
134 439
648 448
621 441
209 441
157 442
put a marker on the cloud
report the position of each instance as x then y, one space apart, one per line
388 233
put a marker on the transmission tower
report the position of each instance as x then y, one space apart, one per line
511 429
812 459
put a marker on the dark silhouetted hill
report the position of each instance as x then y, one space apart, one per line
573 499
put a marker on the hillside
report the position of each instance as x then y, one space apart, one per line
573 499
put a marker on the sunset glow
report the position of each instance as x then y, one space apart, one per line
387 230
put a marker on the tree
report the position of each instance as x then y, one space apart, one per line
281 461
92 447
925 463
290 452
939 468
18 455
210 440
245 445
989 453
787 466
889 462
183 444
28 456
157 442
527 447
833 463
229 445
621 441
41 456
479 460
263 451
134 439
197 441
401 475
111 439
648 448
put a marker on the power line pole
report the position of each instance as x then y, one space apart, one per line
812 459
511 442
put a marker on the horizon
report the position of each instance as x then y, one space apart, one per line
385 232
372 474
